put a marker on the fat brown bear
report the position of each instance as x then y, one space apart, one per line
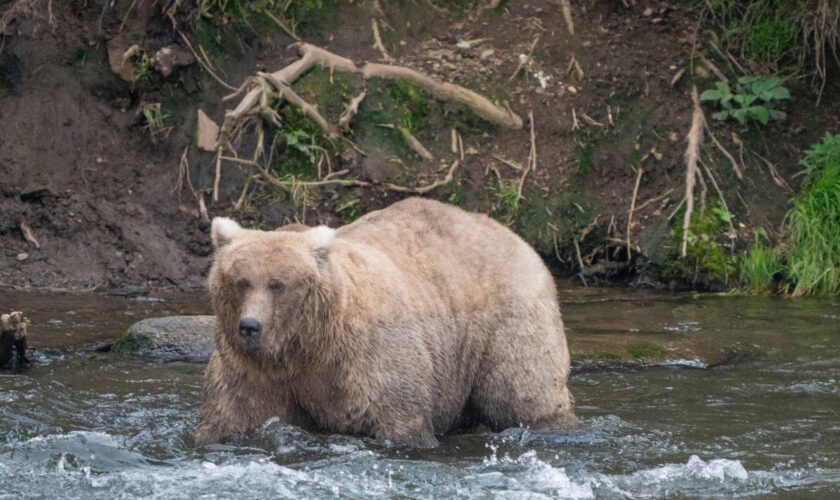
413 321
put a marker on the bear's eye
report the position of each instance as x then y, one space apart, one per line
242 285
277 286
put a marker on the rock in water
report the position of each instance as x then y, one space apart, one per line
171 338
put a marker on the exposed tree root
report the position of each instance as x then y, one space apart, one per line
639 173
312 55
692 155
725 153
567 16
411 141
350 111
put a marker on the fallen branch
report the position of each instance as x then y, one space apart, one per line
692 155
639 173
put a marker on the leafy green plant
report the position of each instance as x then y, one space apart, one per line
813 223
754 100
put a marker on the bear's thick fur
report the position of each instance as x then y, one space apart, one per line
411 322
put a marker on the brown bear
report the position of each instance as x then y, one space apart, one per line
414 321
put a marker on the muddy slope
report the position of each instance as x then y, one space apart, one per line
79 167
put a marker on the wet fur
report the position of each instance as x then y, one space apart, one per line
412 322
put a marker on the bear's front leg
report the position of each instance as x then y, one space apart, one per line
236 399
416 431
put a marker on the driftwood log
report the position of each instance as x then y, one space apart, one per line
13 348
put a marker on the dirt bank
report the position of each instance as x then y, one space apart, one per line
81 167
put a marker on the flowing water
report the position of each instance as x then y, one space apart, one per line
83 425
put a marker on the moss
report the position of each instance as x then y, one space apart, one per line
646 351
596 357
131 344
329 92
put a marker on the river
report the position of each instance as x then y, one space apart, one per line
84 424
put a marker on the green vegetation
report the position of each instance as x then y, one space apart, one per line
350 209
814 223
645 350
155 120
505 197
753 101
809 261
552 224
300 16
707 261
792 36
761 265
143 66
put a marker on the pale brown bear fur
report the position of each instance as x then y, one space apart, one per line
411 322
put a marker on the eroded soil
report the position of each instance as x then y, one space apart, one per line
101 196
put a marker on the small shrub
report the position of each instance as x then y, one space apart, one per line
754 100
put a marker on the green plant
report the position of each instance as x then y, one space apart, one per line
505 195
794 36
155 120
754 100
350 210
143 66
707 262
813 223
761 265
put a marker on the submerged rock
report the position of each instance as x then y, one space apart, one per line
171 338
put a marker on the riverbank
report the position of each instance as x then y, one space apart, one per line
104 185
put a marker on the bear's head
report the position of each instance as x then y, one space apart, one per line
271 289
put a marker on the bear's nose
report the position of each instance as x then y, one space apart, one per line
249 328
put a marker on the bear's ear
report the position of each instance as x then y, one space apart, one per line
321 237
223 231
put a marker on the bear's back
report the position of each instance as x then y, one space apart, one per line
449 245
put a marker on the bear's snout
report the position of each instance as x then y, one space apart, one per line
250 329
